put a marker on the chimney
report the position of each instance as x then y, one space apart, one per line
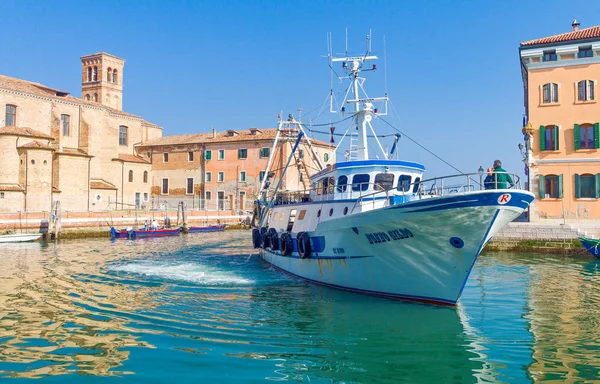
575 25
214 133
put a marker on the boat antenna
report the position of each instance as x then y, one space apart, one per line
385 89
346 42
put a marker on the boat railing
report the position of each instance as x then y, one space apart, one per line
372 192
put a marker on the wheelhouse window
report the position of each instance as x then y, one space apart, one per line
11 115
360 182
550 55
550 186
549 138
265 152
122 135
417 184
585 90
342 184
550 93
64 120
242 153
587 186
384 181
190 156
585 52
324 183
189 186
331 184
404 183
165 187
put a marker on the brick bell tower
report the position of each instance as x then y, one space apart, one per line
102 79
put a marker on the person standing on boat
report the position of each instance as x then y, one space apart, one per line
488 182
154 224
501 179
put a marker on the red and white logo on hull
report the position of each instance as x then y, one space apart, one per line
504 198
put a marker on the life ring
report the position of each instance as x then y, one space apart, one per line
273 239
287 245
256 239
264 240
304 248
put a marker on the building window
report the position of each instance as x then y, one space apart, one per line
550 55
342 183
261 176
207 155
109 75
189 186
360 182
208 177
326 157
145 196
145 176
114 79
131 176
64 119
190 156
551 186
243 176
549 138
122 135
242 153
220 177
95 74
165 187
11 115
221 155
587 186
550 92
384 181
87 97
165 157
96 97
585 90
585 136
89 73
585 52
265 152
1 195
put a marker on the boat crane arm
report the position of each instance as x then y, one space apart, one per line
270 203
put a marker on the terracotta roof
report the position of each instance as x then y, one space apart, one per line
11 187
23 131
73 152
36 145
37 89
101 184
131 159
582 34
205 138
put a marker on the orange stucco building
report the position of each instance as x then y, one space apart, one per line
560 78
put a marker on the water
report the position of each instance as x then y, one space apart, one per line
197 307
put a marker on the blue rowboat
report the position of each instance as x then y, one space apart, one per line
591 245
209 228
131 233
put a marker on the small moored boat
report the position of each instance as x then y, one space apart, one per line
20 237
132 233
208 228
591 245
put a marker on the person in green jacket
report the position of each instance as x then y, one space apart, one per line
501 179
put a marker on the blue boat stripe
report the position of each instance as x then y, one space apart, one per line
315 257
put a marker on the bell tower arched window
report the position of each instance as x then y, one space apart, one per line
89 73
114 79
95 74
108 75
96 97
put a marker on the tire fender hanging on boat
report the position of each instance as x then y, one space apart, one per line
287 245
264 240
304 247
256 238
273 239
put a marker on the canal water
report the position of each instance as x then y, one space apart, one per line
201 308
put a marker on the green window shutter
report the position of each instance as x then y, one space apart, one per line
555 132
542 138
208 155
597 180
577 186
596 136
541 187
239 153
560 186
576 137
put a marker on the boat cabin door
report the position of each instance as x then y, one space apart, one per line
291 220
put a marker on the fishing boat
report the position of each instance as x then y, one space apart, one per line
207 228
20 238
371 223
136 233
591 245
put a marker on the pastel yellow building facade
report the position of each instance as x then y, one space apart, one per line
562 148
80 151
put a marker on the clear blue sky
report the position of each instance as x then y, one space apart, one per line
452 66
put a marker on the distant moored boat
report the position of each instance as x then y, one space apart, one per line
20 238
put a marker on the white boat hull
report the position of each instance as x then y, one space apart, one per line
422 250
20 238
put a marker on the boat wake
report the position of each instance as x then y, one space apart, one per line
190 272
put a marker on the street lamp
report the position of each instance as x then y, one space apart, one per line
480 171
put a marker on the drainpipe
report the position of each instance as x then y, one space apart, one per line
88 182
203 174
122 181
